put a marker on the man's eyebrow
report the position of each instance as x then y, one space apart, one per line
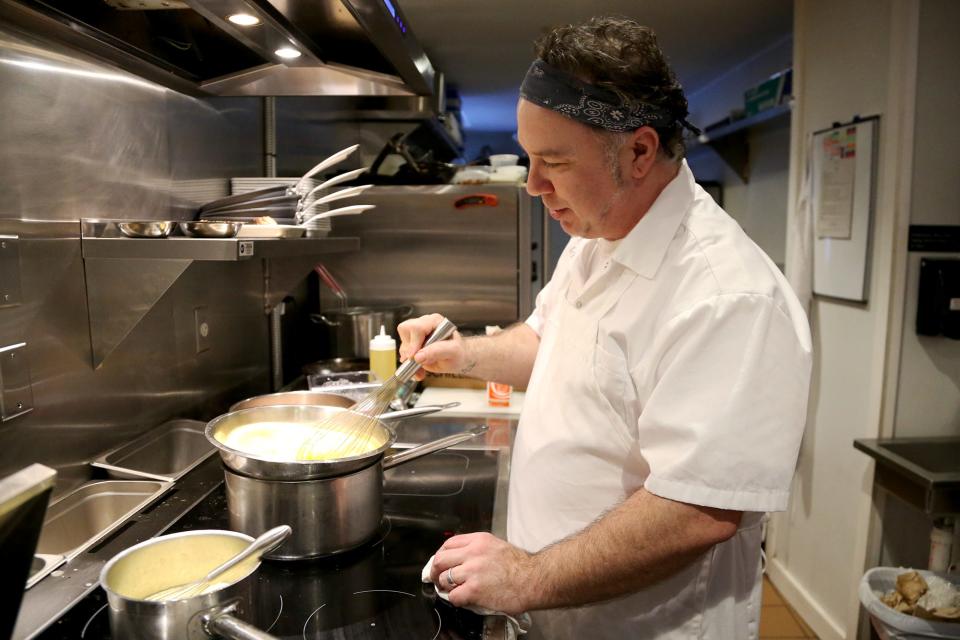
551 152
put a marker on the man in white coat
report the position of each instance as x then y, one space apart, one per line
667 367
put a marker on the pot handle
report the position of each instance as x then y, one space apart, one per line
220 623
319 318
434 445
416 411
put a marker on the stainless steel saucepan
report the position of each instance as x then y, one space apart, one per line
333 505
152 566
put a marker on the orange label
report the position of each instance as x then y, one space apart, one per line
498 394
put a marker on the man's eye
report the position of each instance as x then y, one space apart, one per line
550 165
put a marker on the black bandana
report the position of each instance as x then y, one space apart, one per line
595 106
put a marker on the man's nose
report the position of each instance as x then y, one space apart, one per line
537 185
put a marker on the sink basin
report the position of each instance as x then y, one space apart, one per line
936 457
81 518
165 453
925 472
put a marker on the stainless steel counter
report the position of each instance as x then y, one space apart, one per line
925 472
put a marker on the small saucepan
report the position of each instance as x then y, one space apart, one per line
159 563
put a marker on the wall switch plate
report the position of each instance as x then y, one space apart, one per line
16 393
201 329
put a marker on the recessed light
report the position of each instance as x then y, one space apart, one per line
288 53
244 19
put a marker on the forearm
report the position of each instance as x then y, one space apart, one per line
505 357
642 541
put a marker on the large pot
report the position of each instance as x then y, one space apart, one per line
332 505
165 561
351 329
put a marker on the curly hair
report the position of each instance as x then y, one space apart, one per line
621 55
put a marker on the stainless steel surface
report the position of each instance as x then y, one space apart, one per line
16 391
231 60
263 543
159 561
10 271
43 565
349 330
206 229
165 453
466 263
79 519
925 472
327 515
81 139
147 229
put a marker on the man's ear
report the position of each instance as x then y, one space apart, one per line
644 146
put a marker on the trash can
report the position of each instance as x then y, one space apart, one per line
893 625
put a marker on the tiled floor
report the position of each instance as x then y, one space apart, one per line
778 621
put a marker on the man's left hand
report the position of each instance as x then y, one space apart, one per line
487 572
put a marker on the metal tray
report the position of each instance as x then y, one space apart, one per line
82 517
165 453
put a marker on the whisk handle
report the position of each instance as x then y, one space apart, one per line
442 331
265 542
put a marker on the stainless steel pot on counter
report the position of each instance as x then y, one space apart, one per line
351 328
332 505
151 566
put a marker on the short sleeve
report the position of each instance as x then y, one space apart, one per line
722 424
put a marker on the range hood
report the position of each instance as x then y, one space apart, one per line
202 47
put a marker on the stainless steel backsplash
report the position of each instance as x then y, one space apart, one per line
79 139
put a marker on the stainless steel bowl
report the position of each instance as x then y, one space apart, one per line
146 228
208 229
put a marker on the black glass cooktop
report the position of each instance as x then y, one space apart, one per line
373 592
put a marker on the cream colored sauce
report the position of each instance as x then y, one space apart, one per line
291 441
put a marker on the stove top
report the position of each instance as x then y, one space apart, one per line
373 592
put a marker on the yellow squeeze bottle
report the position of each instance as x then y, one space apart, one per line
383 355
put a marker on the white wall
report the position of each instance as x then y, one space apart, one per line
928 394
759 205
851 57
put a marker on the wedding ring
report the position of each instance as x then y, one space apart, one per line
450 581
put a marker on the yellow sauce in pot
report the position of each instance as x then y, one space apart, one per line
292 441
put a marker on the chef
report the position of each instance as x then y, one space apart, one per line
667 366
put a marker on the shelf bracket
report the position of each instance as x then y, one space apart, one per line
735 151
120 292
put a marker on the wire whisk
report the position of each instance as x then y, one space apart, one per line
352 431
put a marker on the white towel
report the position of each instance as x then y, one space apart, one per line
516 626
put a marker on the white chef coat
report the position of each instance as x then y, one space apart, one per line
676 359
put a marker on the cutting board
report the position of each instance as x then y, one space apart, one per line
473 402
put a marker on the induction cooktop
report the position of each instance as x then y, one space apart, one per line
373 592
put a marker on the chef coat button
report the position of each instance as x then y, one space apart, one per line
578 304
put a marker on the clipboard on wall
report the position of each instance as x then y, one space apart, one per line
842 199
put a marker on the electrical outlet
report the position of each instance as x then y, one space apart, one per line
201 329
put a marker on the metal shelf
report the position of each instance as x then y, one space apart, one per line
730 141
223 249
126 277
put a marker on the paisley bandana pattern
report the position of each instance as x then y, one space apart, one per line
551 88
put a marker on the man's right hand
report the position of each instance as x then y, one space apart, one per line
445 356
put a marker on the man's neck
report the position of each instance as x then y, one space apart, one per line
640 196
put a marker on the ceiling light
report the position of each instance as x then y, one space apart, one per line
287 53
244 19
